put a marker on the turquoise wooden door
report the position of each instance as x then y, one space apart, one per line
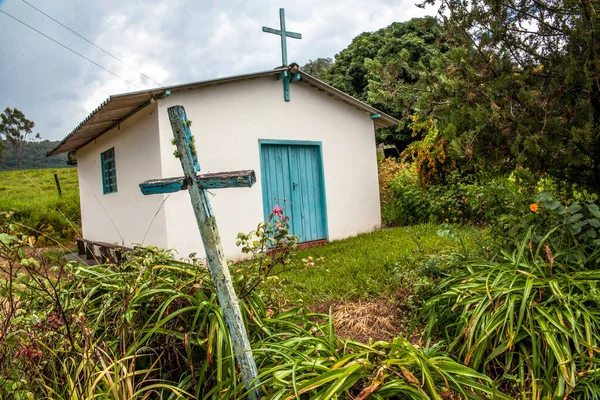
292 178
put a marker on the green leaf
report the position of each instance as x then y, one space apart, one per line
594 222
574 207
575 218
553 205
7 239
594 210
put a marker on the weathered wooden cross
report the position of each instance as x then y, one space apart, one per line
197 184
287 79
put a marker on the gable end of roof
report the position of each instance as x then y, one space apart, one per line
117 108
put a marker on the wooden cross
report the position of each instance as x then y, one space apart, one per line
284 34
197 184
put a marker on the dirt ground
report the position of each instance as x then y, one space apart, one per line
371 319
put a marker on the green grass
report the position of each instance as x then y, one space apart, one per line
34 199
372 264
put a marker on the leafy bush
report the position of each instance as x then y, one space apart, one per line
576 224
152 328
530 320
387 169
499 202
436 203
429 155
412 203
269 246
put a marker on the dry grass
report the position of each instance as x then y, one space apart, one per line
363 320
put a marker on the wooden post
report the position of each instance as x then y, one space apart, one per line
215 256
57 184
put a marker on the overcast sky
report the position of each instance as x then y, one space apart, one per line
172 42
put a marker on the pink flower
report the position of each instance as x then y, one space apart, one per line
278 211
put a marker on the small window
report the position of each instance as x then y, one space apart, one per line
109 171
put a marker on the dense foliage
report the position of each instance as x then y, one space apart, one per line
530 320
521 86
34 156
507 83
152 328
384 68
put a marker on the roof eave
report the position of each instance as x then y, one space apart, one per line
125 105
149 94
384 120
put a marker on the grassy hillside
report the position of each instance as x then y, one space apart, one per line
34 156
34 199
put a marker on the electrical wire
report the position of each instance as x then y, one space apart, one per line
70 49
90 42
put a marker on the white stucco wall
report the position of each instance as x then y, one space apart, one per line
228 121
124 217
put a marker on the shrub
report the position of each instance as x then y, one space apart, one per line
269 246
411 203
152 328
436 203
530 319
430 154
388 169
576 224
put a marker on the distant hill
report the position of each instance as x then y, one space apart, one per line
34 156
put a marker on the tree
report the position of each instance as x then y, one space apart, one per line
16 129
522 86
318 67
72 158
385 69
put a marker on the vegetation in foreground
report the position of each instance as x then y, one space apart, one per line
152 328
33 198
522 322
528 319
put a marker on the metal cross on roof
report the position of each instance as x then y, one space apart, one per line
197 184
283 33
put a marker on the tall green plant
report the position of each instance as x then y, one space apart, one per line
531 320
152 328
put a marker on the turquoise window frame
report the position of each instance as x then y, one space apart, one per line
319 145
109 175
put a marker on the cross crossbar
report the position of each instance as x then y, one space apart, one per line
207 225
293 35
218 180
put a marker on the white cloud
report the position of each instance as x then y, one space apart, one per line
171 41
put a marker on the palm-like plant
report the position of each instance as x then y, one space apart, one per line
152 329
530 319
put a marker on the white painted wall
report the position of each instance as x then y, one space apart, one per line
124 217
229 119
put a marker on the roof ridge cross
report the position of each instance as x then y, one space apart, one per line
283 33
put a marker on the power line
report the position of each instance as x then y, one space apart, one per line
68 48
90 42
